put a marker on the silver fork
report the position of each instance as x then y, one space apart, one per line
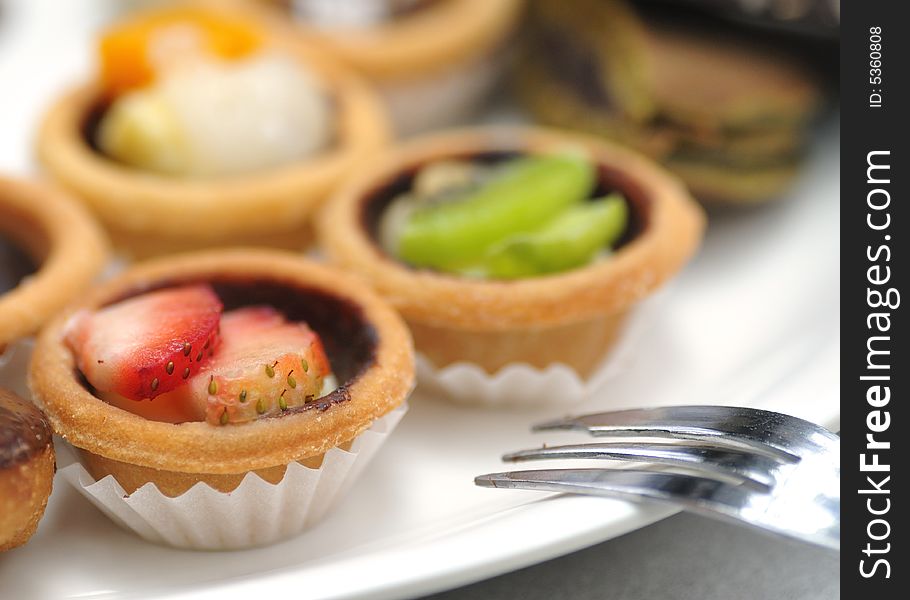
764 469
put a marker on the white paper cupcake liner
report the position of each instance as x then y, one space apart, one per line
521 384
256 513
444 98
14 366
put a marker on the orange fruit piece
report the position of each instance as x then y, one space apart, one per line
133 53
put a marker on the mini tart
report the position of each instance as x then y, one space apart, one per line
571 317
428 46
367 343
26 469
165 214
61 239
727 114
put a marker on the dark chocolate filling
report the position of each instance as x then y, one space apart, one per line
609 179
350 341
15 264
91 122
23 431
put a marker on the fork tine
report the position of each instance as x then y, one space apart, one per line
689 491
766 432
729 465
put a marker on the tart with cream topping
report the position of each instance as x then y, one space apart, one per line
205 367
207 127
513 245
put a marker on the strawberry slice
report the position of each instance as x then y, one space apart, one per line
264 365
147 345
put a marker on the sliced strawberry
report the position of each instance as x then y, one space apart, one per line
264 365
147 345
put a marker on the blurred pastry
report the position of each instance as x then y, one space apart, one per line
26 469
728 115
433 61
208 127
505 246
50 250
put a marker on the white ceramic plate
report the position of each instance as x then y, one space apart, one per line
753 321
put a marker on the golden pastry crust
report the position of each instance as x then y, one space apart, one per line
580 345
26 469
140 246
199 448
430 39
671 236
190 212
61 238
174 483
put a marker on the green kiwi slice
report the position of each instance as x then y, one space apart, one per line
524 196
571 240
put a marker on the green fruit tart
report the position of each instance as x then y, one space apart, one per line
505 246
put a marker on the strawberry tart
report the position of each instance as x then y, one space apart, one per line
204 368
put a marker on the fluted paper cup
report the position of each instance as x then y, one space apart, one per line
521 384
256 513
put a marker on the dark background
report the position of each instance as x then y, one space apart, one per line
864 130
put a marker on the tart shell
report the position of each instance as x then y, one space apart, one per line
580 344
188 213
570 317
174 455
431 39
59 236
175 483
